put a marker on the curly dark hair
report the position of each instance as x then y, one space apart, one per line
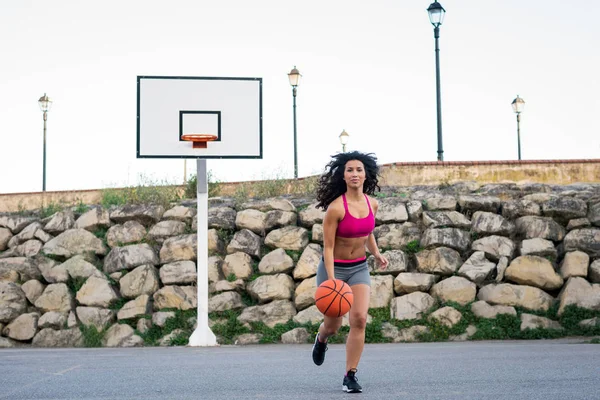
332 184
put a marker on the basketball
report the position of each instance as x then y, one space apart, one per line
334 298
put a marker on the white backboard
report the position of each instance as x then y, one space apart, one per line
169 107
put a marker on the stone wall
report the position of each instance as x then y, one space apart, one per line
509 249
561 172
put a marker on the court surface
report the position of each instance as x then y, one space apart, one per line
550 369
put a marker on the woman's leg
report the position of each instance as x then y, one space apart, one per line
358 322
329 327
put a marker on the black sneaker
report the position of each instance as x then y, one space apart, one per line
318 352
350 384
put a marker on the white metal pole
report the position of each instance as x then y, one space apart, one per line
202 336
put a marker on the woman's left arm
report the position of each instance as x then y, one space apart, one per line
372 243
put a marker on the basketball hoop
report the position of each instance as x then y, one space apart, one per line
199 140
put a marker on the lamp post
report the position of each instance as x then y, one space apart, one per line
436 17
518 106
294 77
344 140
45 105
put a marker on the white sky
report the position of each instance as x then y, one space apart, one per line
368 68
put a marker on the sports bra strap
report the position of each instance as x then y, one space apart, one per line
369 204
345 202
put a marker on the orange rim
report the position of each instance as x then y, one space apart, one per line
199 137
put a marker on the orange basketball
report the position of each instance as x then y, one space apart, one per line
334 298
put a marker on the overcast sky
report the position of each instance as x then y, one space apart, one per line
368 68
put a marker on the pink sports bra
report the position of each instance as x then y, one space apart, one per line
351 227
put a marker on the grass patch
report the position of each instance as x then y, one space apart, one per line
413 247
180 321
146 192
294 255
230 329
81 208
231 277
74 284
49 210
100 233
118 304
91 336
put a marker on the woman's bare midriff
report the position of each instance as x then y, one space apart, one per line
349 248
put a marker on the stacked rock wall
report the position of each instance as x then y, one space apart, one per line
127 271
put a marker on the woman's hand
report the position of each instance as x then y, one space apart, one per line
381 260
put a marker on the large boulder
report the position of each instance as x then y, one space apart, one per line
473 203
448 237
15 223
308 262
440 261
13 301
25 267
455 288
145 214
271 287
94 219
411 306
129 257
5 237
448 219
594 214
179 248
408 282
477 268
253 220
575 263
288 238
221 218
179 272
487 223
28 233
506 294
225 301
49 337
304 295
121 335
495 247
310 215
397 262
129 232
382 291
586 240
279 219
166 229
73 242
101 318
481 309
581 293
446 316
141 306
538 247
594 272
271 314
60 222
79 268
397 236
563 209
247 242
33 289
180 213
178 297
56 297
539 227
96 292
530 321
142 280
534 271
276 262
391 209
520 208
238 264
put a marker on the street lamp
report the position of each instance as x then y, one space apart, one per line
294 76
344 140
436 17
45 105
518 106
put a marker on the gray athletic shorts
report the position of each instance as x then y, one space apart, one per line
353 274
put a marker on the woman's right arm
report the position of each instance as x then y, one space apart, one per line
330 224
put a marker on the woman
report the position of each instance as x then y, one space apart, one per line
347 229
